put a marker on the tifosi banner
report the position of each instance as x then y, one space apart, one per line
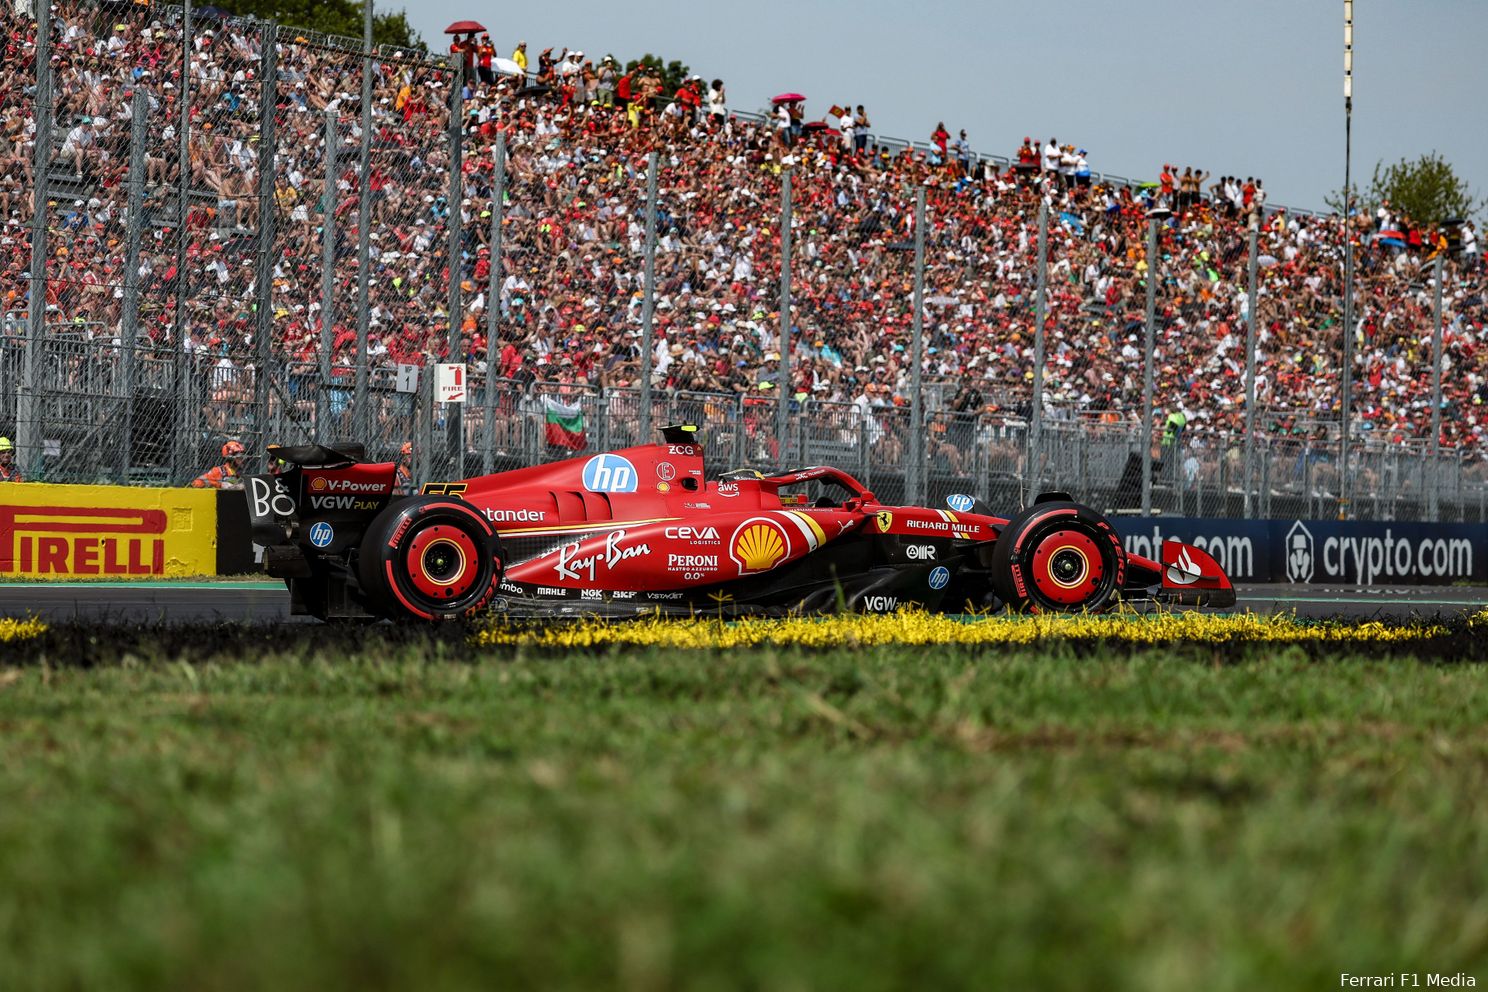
1320 551
64 532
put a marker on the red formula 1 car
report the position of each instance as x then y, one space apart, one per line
643 530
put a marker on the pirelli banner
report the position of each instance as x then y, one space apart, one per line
1353 552
114 532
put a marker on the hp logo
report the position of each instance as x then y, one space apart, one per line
609 474
321 534
940 577
960 502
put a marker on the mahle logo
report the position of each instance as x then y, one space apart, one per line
1300 554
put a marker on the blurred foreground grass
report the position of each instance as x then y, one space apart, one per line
428 815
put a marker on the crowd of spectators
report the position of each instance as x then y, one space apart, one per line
569 301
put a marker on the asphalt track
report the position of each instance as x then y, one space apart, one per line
268 603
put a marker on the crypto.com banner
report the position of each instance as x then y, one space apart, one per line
1320 551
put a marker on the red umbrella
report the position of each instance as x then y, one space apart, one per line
788 98
465 27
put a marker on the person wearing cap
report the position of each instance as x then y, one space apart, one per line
8 470
228 474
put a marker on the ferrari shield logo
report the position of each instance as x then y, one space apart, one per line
885 521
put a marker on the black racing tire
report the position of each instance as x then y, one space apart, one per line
431 558
1058 557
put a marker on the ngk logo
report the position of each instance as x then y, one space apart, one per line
70 540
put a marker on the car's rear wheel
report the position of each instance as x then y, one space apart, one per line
430 558
1058 557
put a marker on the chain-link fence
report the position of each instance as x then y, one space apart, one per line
256 233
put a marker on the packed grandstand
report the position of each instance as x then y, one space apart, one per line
570 303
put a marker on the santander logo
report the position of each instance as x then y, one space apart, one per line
1184 572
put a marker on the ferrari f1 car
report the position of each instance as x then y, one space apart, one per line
645 530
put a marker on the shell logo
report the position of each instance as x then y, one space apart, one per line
317 483
758 545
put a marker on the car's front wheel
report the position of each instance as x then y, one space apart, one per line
430 558
1058 557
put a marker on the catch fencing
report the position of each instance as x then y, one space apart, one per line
241 231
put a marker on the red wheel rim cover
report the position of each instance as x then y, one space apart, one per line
1078 588
460 544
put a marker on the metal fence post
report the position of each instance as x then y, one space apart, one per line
362 414
918 457
183 451
782 410
129 322
1346 399
493 304
1148 359
28 414
263 277
1250 360
327 274
648 303
1040 311
1433 497
455 222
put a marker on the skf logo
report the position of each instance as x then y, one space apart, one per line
443 489
759 545
97 541
885 521
1299 554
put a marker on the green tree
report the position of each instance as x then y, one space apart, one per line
1427 189
673 73
343 17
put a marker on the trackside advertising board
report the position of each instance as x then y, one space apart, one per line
1322 551
112 532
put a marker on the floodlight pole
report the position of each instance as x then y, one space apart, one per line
1348 258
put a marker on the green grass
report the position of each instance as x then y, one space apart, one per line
430 817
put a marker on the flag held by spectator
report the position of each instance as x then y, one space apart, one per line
565 425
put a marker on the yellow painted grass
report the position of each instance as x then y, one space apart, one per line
20 630
917 628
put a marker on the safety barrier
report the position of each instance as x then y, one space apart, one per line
1366 553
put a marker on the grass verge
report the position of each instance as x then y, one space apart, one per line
418 812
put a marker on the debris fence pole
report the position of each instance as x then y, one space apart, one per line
493 305
184 452
327 276
362 414
782 387
918 458
1250 368
263 290
455 225
1040 311
1148 360
28 408
648 301
1433 484
129 324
